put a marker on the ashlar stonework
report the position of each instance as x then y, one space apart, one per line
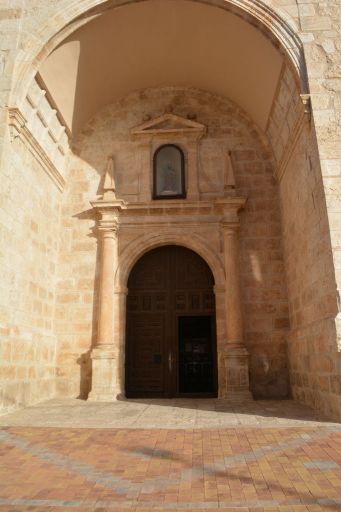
210 215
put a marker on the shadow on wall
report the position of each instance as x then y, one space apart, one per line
84 362
269 377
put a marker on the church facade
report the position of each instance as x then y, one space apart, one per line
170 214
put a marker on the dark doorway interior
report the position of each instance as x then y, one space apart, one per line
196 359
170 335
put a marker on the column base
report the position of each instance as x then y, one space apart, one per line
236 361
237 397
106 381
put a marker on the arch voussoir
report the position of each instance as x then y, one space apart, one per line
144 243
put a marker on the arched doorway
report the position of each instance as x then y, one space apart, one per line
170 329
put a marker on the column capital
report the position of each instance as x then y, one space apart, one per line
229 228
218 289
107 228
108 215
122 290
109 205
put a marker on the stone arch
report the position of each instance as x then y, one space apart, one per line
71 16
135 250
170 304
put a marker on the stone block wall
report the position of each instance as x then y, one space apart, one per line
76 303
284 113
313 351
309 196
266 315
11 12
263 278
29 233
285 117
321 27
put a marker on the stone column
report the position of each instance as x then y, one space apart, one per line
108 238
105 354
119 333
236 355
106 357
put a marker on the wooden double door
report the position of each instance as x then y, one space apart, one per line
170 326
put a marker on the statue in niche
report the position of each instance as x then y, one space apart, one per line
169 173
109 186
169 180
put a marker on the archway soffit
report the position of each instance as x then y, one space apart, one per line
72 16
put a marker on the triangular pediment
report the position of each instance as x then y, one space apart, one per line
168 123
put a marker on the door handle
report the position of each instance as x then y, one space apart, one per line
170 362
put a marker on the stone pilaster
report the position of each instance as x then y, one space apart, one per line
193 170
145 171
236 355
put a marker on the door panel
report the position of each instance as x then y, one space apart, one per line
146 368
165 283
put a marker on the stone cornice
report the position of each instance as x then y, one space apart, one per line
233 203
229 228
220 206
108 212
18 129
180 212
108 204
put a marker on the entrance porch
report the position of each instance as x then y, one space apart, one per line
182 413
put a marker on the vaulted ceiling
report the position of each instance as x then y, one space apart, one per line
157 43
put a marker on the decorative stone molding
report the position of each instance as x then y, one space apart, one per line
36 124
169 125
43 120
18 129
306 100
16 122
169 128
167 236
108 212
168 224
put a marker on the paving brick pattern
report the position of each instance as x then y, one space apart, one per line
260 469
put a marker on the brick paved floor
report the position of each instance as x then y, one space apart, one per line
244 467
